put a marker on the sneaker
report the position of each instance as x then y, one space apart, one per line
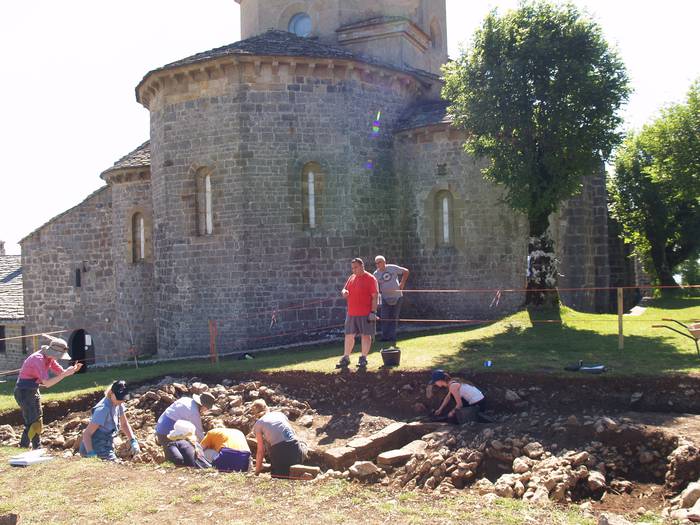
362 363
344 362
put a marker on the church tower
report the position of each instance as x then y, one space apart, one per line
403 33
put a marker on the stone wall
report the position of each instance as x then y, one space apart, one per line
256 141
387 39
489 248
580 232
135 287
16 350
79 239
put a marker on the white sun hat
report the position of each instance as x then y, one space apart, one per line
183 429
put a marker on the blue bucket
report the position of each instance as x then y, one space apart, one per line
230 460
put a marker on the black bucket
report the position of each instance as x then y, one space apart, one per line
391 356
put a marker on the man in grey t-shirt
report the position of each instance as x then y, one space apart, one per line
390 287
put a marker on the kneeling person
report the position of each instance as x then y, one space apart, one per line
276 436
108 417
467 397
227 449
182 447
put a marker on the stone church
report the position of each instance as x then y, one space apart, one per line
273 161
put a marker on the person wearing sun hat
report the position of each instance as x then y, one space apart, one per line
187 409
182 447
108 417
37 371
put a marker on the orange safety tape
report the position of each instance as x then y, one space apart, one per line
33 335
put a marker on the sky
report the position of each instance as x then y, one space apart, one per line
70 68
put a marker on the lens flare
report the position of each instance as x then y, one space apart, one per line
376 125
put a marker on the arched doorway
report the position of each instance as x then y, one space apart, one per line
81 349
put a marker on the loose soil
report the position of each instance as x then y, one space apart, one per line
625 428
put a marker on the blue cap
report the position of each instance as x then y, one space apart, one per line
438 375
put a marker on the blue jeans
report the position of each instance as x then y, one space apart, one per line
29 401
102 445
389 319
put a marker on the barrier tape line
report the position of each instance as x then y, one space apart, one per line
33 335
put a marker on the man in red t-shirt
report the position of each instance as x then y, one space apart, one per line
361 292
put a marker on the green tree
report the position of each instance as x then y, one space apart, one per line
538 92
655 191
690 273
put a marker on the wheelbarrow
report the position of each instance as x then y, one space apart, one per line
693 329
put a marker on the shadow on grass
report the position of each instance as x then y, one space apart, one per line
550 347
676 303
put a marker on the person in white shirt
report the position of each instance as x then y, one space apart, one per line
465 394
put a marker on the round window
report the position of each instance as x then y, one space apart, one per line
300 24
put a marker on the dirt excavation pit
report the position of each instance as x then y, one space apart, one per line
375 428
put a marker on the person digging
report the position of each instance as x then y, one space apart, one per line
467 397
36 372
276 438
108 417
186 409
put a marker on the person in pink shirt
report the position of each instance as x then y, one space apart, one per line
37 371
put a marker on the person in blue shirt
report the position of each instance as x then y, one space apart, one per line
108 417
185 409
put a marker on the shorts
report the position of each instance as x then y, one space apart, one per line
360 325
285 454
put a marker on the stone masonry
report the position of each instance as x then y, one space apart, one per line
256 117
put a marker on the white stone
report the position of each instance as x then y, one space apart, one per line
512 396
364 470
612 519
534 450
596 480
520 466
690 495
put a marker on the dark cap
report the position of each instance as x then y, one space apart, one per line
120 391
438 375
204 399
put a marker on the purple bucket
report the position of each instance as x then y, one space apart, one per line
230 460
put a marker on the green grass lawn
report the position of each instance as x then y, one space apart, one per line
513 344
90 491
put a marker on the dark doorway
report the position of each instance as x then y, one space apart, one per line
82 349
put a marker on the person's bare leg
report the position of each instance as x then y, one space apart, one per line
349 344
366 344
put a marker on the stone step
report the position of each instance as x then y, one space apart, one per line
303 471
392 437
400 456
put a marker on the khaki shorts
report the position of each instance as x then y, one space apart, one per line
360 325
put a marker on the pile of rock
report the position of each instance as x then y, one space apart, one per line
237 406
685 506
8 436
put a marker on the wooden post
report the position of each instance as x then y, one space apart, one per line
620 313
214 356
35 342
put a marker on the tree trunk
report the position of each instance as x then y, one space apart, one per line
661 267
542 268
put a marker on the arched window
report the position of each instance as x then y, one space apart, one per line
138 237
311 188
444 221
300 24
205 211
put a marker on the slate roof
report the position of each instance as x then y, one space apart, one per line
425 114
282 43
11 299
138 158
